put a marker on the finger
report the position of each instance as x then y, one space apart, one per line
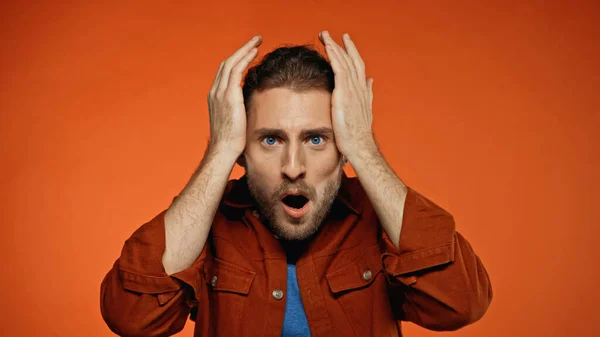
236 73
355 57
370 88
336 64
342 51
337 48
213 89
234 59
327 40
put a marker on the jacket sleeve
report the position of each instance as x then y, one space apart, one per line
437 280
137 296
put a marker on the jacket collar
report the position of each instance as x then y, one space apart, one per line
237 194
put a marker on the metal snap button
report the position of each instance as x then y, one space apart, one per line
213 281
367 275
278 294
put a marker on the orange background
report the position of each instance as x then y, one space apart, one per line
490 109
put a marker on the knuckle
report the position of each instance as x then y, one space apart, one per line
238 68
231 96
226 94
220 95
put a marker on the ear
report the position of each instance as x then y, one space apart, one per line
241 160
344 160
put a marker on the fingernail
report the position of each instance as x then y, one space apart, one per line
346 36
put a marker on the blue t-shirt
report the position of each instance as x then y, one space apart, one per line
295 323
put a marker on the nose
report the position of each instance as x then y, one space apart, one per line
293 167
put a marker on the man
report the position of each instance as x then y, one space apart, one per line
294 247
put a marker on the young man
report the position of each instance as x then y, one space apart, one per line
295 247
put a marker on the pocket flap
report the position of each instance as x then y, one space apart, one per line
221 275
357 274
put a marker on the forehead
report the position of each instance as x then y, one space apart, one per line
289 110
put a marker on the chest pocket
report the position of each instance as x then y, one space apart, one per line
360 273
228 288
360 288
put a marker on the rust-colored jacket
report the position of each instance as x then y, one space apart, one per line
353 281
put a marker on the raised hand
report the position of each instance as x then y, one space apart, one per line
352 98
226 101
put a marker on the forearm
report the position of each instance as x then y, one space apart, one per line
190 216
385 190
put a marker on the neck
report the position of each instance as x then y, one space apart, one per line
294 249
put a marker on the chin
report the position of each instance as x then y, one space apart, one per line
291 231
295 235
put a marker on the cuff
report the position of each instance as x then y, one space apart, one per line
406 263
426 238
141 268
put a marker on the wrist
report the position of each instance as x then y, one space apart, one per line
224 151
362 150
222 157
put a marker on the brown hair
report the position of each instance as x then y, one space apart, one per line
294 67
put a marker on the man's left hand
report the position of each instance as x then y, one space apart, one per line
352 98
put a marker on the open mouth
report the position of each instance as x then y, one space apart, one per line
295 201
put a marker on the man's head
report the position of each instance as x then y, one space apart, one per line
293 166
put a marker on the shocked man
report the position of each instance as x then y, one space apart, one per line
295 247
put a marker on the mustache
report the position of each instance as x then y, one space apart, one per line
301 186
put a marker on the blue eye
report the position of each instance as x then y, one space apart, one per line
316 140
270 140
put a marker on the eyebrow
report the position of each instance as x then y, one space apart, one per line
262 132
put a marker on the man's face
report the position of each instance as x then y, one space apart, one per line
292 164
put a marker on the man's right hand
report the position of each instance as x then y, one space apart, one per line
226 101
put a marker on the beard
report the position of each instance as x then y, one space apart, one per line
278 221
